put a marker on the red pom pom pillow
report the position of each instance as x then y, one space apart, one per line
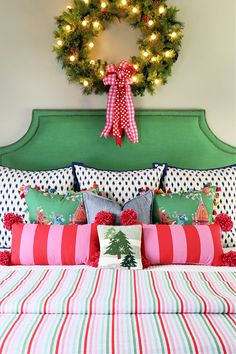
34 244
183 244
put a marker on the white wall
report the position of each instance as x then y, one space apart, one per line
203 77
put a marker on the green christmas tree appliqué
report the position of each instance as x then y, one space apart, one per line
129 261
119 244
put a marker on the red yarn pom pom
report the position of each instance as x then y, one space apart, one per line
146 263
224 221
94 260
104 218
128 217
11 219
5 258
229 259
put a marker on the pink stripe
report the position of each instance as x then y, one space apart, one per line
54 244
27 244
82 244
179 244
152 250
206 244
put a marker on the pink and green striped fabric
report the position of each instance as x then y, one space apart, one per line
103 311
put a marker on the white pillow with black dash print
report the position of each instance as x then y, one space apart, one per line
120 186
224 178
11 180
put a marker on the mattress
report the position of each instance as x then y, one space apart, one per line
165 309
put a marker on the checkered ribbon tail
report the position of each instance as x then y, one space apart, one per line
120 108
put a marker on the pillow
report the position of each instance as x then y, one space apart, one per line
142 204
50 208
120 246
224 178
120 186
183 244
34 244
184 208
11 180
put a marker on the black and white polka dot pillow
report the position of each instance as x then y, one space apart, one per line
183 179
10 201
120 186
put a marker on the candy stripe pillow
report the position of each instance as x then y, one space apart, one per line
34 244
11 180
177 179
120 186
183 244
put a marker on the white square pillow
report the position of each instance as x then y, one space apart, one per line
120 246
120 186
10 201
186 179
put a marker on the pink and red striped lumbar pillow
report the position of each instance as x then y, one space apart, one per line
183 244
34 244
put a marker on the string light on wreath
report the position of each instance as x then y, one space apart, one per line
159 43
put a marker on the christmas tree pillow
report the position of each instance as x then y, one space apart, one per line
182 208
120 246
53 209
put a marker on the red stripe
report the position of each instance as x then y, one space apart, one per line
9 276
33 291
191 334
44 312
9 331
164 332
217 334
14 289
216 233
136 314
40 244
113 316
68 245
232 319
179 297
94 245
55 289
67 313
194 290
226 282
90 313
15 244
216 293
155 291
165 244
193 244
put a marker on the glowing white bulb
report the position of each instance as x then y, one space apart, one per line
134 78
59 42
161 10
136 67
168 54
173 35
72 58
92 62
153 37
103 5
134 10
102 72
69 7
68 28
91 45
157 81
123 2
150 23
84 23
85 83
154 59
96 24
145 54
86 1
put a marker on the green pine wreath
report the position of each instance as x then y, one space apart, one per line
159 43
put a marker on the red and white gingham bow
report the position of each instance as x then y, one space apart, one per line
120 108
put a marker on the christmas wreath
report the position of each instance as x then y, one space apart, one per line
159 43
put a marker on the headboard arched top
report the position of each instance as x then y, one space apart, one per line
56 138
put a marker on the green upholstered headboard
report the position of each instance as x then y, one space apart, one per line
57 137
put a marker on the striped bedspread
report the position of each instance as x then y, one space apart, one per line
100 311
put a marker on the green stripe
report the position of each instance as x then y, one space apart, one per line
15 284
205 283
8 326
225 284
212 334
160 332
55 335
49 291
134 334
192 291
152 292
30 330
172 291
108 336
187 336
229 321
70 291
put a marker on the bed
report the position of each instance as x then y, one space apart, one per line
175 309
